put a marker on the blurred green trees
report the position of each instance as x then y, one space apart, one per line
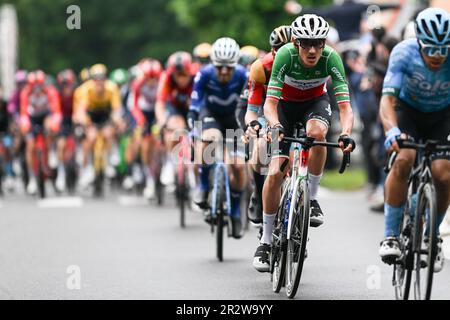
248 21
119 33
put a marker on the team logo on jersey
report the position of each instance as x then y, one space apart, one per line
282 69
338 74
328 109
419 81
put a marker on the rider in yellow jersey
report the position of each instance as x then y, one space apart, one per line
97 106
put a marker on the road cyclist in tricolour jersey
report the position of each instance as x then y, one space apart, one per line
297 92
416 102
217 88
255 123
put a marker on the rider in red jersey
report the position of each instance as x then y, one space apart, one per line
172 104
39 108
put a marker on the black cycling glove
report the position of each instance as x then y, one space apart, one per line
346 139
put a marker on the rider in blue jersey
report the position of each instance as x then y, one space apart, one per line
416 102
216 92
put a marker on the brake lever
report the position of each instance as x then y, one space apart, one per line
345 162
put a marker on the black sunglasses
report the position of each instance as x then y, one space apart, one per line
309 43
228 68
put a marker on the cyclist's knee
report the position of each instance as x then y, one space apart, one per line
212 134
108 132
441 173
30 145
176 122
278 167
316 130
403 165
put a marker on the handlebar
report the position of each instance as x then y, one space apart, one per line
429 145
308 142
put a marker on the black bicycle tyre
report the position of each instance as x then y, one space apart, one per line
426 198
41 176
220 219
71 179
181 201
303 225
279 249
404 269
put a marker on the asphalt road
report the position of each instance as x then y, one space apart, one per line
123 248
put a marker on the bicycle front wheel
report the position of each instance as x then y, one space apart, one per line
41 175
296 247
220 219
404 267
425 252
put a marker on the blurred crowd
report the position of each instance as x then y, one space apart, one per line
366 61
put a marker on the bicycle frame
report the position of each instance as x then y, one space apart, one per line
221 167
299 173
40 147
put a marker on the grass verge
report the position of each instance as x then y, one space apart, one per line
351 180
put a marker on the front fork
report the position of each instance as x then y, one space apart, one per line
218 170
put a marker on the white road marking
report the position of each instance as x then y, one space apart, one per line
62 202
132 201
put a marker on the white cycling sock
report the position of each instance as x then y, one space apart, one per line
268 223
314 182
61 169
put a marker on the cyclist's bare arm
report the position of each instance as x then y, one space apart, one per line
256 82
347 120
387 112
271 111
161 98
160 112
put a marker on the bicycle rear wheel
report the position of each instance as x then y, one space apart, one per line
424 257
296 247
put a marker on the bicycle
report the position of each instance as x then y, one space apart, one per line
219 208
420 211
181 178
290 234
40 160
99 155
69 158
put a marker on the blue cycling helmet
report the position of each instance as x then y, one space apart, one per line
433 27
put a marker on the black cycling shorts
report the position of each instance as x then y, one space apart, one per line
290 113
425 126
220 122
100 117
150 120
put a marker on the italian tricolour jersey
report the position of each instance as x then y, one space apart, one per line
291 81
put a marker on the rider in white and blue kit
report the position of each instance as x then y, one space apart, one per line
416 102
217 88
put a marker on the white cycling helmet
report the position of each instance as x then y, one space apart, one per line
310 26
225 52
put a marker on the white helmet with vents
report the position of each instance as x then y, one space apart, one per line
225 52
310 26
